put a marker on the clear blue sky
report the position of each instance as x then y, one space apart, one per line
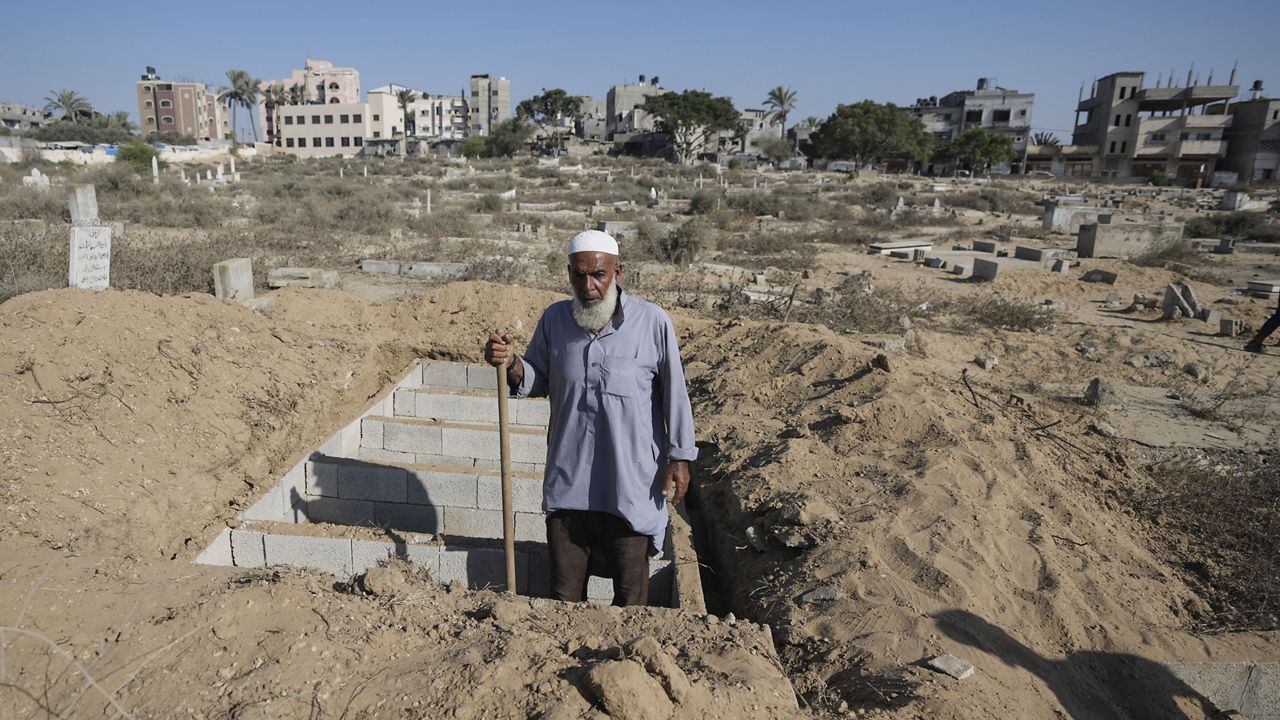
828 52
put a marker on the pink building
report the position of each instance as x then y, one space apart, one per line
317 83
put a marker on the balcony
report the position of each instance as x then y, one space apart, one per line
1206 121
1205 148
1159 99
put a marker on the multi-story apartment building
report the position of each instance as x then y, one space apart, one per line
1253 138
490 103
624 115
989 107
1134 131
187 108
434 118
593 119
757 125
21 117
330 130
318 82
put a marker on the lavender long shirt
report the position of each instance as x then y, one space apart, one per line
619 411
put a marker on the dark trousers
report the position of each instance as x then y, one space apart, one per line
572 537
1268 327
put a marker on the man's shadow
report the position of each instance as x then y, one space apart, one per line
1088 684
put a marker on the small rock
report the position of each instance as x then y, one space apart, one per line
950 665
661 666
986 362
1100 392
1113 299
1103 429
798 431
793 538
826 593
506 612
730 619
384 581
756 542
1196 371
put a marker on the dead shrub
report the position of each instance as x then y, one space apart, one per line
1002 313
31 260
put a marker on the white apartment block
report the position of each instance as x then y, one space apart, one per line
332 130
432 117
490 103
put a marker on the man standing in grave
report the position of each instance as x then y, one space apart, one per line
621 433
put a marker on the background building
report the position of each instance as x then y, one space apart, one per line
490 103
1134 131
989 107
318 82
1253 138
21 117
187 108
622 106
330 130
435 118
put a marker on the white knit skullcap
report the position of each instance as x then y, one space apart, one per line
593 241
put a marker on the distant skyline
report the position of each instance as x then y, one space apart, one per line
828 52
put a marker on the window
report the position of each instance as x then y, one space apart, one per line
1157 137
1122 93
166 103
344 118
146 88
973 116
166 120
1117 123
333 86
328 142
1128 120
288 119
359 141
328 119
1000 116
1275 114
1022 113
1113 147
1182 136
315 142
346 141
151 120
356 118
1124 147
288 142
1017 138
302 119
315 119
494 93
1204 136
333 101
377 134
146 103
375 117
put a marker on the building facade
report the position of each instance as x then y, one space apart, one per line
1129 130
318 82
1253 138
186 108
757 126
21 117
434 118
624 116
330 130
988 106
490 103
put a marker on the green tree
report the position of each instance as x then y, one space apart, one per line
137 155
979 149
68 102
549 111
508 137
473 147
1046 139
241 91
870 132
297 95
781 101
273 98
777 150
692 119
405 98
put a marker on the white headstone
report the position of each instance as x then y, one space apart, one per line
90 265
428 201
183 172
36 180
233 279
208 175
84 205
155 170
233 166
341 174
653 193
366 171
219 175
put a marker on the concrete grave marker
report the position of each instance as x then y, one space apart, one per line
84 205
233 279
36 180
90 265
155 170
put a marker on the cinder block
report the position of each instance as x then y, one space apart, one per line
445 461
448 376
456 408
217 552
385 456
322 479
412 378
481 568
530 412
985 269
275 506
531 527
412 437
473 523
343 443
478 443
412 518
370 434
358 481
403 403
483 378
427 556
431 487
519 467
984 246
247 549
331 555
368 554
526 493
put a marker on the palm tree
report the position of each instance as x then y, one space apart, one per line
781 101
297 95
272 98
70 103
242 91
249 99
405 98
1047 139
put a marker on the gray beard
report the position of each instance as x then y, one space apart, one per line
593 318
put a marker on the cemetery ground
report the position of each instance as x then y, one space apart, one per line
897 462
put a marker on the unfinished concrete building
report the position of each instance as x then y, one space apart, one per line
21 117
1253 137
624 115
1130 130
988 106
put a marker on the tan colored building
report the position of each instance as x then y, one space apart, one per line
187 108
490 103
319 82
433 118
331 130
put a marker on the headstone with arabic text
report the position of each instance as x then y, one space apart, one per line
90 265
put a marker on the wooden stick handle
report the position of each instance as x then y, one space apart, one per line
508 516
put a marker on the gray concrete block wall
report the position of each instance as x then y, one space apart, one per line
402 435
449 489
247 549
448 376
482 568
366 513
217 552
359 481
985 269
470 408
332 555
526 493
483 443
